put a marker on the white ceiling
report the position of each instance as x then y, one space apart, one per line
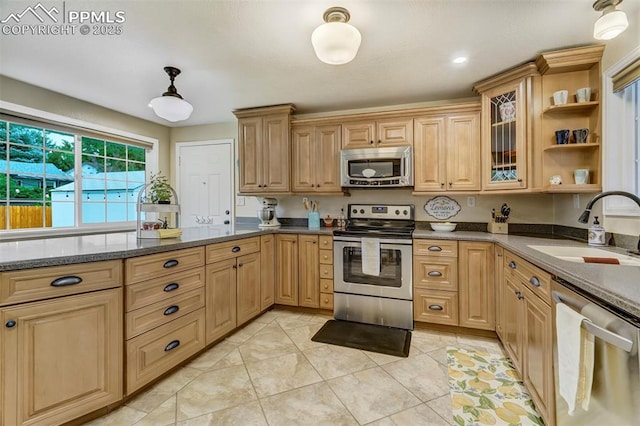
244 53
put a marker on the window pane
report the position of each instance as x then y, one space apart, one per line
25 154
63 205
3 213
135 153
116 150
113 166
92 165
3 130
59 141
92 146
3 154
134 167
28 214
25 135
93 212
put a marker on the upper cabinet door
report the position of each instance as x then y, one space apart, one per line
358 135
250 153
503 137
394 132
275 153
327 158
429 154
303 170
463 152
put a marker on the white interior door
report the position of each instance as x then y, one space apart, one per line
205 182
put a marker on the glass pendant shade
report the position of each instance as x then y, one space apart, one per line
336 42
171 108
610 24
170 105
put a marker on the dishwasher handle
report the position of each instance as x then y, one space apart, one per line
602 333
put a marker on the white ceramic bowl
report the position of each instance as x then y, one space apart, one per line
443 227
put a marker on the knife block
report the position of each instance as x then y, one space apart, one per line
498 228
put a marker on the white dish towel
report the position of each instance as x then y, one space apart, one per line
575 358
371 256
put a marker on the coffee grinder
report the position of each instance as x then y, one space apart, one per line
267 214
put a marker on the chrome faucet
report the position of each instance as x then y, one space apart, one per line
584 217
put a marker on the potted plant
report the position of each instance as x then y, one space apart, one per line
159 191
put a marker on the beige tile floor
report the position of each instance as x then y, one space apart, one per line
271 373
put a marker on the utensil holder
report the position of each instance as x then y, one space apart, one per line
314 220
498 228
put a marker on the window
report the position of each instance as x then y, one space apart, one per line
622 153
53 177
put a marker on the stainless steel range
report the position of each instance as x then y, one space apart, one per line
373 265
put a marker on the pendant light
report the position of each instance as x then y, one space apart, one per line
336 42
612 22
170 105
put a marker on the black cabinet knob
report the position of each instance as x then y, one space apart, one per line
10 324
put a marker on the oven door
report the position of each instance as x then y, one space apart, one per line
395 279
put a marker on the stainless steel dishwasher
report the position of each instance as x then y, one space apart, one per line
615 393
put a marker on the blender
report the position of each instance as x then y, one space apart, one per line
267 214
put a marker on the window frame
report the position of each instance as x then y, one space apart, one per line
51 119
616 177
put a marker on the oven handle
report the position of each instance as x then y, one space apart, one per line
383 241
604 334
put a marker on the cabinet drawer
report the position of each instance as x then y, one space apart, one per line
436 273
152 291
435 248
326 286
326 300
231 249
536 280
326 242
326 271
158 265
44 283
149 317
151 354
326 257
435 306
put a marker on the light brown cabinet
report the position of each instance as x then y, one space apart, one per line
435 281
476 285
267 271
377 133
287 269
233 285
528 329
61 358
498 274
571 69
300 272
164 319
507 127
264 149
446 152
316 159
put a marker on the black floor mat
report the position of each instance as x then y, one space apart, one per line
368 337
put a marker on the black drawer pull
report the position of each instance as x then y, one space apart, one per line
436 307
434 273
170 263
171 287
534 281
172 345
235 249
434 248
512 265
171 309
64 281
10 324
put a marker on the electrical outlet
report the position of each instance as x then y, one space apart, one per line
576 201
471 201
240 200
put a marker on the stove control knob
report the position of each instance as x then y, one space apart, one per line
355 211
361 211
404 212
397 212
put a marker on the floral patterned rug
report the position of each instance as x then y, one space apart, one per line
486 390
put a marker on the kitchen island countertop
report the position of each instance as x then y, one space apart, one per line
615 284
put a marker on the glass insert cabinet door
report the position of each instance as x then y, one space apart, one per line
504 137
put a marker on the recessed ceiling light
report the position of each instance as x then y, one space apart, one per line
460 60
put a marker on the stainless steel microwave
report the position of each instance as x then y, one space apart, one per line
376 167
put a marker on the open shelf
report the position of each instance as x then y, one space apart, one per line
159 208
572 107
572 188
572 146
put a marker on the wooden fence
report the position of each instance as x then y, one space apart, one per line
24 217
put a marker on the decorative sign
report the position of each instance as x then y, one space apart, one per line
442 208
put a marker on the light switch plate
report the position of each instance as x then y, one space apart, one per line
471 201
240 200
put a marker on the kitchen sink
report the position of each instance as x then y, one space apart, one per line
576 254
